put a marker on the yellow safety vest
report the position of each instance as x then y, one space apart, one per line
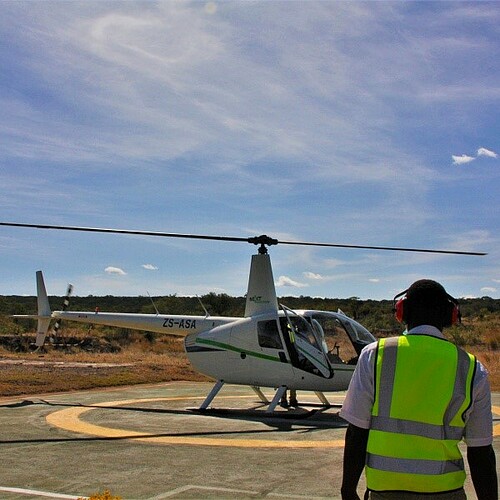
422 390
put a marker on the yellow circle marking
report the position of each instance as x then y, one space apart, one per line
69 420
496 428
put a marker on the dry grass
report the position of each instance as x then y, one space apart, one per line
481 338
58 370
490 359
106 495
32 379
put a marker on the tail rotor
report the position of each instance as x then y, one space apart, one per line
65 305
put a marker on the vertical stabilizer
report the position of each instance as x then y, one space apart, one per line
41 294
44 312
261 293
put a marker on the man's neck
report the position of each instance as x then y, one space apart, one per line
425 330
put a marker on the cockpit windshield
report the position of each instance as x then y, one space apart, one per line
343 337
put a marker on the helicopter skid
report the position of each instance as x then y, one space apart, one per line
295 414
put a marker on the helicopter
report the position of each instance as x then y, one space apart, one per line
271 346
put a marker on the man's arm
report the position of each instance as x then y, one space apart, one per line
356 439
482 465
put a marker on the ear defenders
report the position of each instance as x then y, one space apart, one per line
400 309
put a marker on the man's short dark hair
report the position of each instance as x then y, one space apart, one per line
428 293
427 302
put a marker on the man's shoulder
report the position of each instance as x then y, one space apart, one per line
480 371
370 347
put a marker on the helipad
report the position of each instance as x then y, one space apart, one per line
148 443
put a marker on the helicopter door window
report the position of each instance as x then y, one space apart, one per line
306 352
297 358
269 335
301 328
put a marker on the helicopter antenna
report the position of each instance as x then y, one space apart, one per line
154 305
264 241
207 314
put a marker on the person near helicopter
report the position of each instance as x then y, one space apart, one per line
406 418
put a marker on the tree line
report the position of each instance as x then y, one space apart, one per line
376 315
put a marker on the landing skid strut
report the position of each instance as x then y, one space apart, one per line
280 391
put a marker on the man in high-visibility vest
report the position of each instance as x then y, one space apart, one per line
411 400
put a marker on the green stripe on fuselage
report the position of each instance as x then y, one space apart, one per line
237 349
228 347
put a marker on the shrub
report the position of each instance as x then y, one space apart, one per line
105 495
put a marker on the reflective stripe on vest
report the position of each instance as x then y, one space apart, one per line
422 389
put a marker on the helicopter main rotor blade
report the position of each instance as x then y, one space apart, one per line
262 240
124 231
368 247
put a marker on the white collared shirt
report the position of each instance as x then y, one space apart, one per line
357 407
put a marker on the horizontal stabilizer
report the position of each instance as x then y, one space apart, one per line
30 316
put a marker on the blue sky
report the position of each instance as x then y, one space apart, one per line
348 122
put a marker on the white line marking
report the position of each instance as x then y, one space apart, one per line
39 493
285 495
188 487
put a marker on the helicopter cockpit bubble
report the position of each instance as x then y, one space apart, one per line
343 336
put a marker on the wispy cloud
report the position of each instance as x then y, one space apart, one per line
289 282
324 117
115 270
313 276
149 267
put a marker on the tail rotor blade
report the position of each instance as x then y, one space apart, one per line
65 305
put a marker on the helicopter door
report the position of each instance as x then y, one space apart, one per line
306 350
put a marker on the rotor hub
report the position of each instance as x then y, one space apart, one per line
264 241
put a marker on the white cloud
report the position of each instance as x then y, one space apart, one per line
486 152
488 289
286 281
461 160
374 280
149 267
115 270
313 276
